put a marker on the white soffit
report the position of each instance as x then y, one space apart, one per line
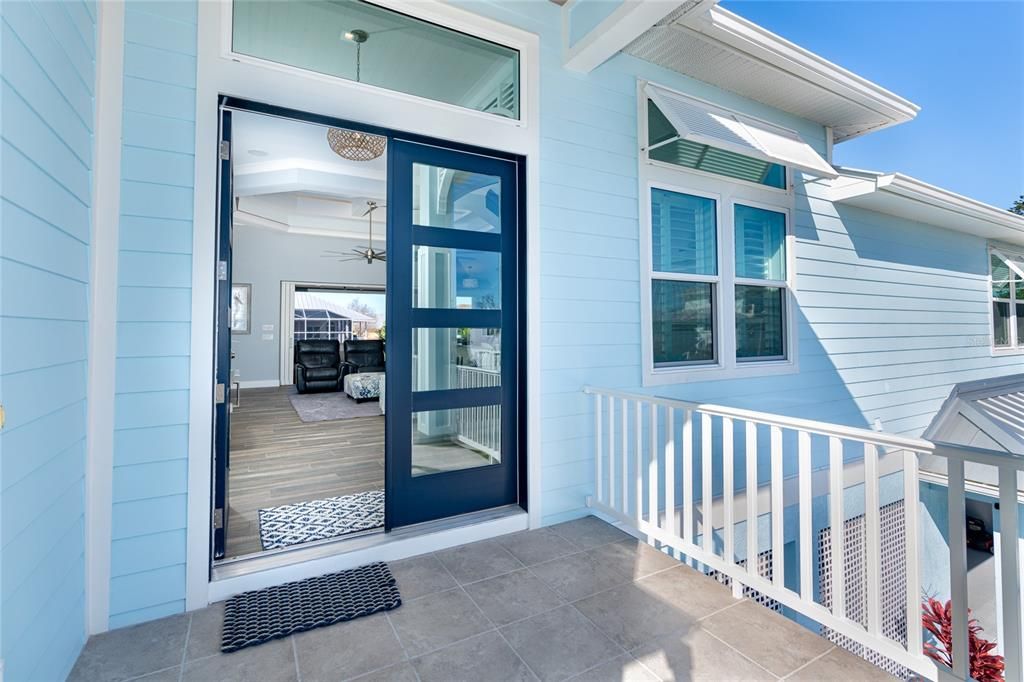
705 123
909 198
725 50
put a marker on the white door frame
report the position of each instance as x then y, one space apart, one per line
220 72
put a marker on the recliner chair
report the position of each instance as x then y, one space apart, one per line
363 355
318 365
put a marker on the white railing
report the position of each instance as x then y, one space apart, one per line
646 452
479 427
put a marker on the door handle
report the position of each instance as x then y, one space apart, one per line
237 386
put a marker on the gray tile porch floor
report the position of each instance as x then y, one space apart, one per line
580 600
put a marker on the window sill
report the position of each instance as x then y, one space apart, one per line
999 352
745 370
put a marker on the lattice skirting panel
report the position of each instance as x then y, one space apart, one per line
764 569
893 578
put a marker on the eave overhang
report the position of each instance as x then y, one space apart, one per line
721 48
906 197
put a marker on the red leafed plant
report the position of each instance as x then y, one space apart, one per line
938 620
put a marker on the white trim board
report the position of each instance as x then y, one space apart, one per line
218 72
378 547
103 253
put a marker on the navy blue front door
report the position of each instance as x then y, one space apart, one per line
453 367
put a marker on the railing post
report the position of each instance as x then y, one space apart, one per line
598 449
911 512
670 473
625 456
638 464
611 452
652 471
1009 560
958 565
806 543
706 501
778 544
873 540
688 476
751 495
837 519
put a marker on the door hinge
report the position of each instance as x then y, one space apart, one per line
219 394
3 417
218 519
222 270
225 150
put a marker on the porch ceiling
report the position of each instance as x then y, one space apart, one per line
725 50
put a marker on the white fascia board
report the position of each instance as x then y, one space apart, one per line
906 197
619 29
749 38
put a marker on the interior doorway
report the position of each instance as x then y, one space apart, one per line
305 450
368 378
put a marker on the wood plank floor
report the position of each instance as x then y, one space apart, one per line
278 459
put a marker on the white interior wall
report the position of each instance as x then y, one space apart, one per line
264 258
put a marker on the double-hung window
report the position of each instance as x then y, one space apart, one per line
1007 275
717 240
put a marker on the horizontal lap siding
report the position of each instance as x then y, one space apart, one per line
46 107
154 310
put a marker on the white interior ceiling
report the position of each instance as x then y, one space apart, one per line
287 178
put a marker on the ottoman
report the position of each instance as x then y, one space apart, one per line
364 386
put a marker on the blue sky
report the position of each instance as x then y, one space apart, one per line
961 62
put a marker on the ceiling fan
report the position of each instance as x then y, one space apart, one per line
368 253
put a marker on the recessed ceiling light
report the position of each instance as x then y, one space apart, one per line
257 152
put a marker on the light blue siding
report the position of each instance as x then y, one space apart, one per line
46 108
154 309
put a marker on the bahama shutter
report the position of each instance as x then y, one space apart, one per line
704 123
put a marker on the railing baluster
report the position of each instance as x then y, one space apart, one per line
625 456
778 545
837 520
638 464
911 528
728 551
611 452
806 543
706 503
688 476
1009 550
670 472
652 471
958 565
598 445
751 493
873 540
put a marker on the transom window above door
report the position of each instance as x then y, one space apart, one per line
361 42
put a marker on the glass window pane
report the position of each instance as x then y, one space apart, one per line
1020 324
683 233
683 322
1001 278
709 159
1000 323
369 44
760 243
445 197
446 358
455 278
760 323
450 440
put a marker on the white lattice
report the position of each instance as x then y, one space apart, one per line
893 579
764 569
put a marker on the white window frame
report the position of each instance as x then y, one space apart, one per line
1016 345
727 192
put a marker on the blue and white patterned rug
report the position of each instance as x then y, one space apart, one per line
291 524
